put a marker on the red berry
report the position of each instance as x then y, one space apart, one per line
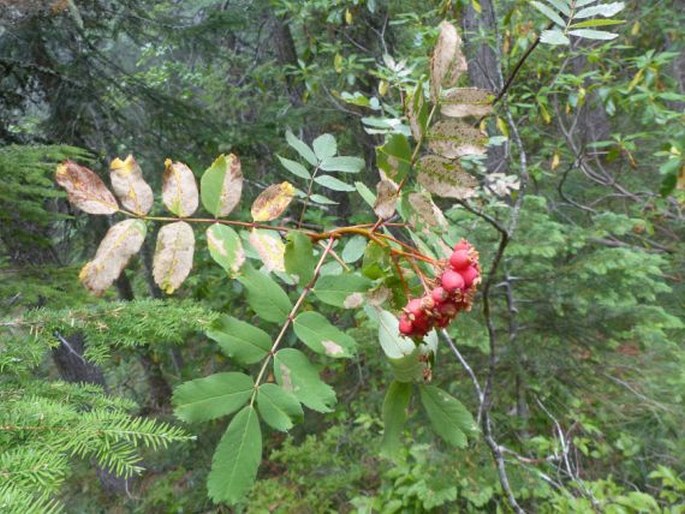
443 321
422 325
448 310
439 295
462 245
406 326
414 307
451 281
460 259
469 275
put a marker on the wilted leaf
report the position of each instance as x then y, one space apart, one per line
225 247
129 185
173 258
448 61
222 185
270 249
422 211
179 189
85 189
444 177
417 112
386 198
121 242
467 101
453 139
271 203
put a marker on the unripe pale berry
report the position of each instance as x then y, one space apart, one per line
469 275
459 260
451 281
406 326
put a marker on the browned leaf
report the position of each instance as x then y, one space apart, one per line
129 185
121 242
453 139
173 255
444 177
179 189
386 198
271 203
85 189
448 62
424 211
466 101
270 249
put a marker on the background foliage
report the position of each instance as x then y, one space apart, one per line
584 168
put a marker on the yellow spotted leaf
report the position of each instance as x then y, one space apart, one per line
272 202
85 189
129 185
173 258
179 189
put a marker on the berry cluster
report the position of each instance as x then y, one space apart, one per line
453 292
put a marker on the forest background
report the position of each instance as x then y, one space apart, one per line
570 363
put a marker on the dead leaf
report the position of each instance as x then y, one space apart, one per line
386 198
270 249
445 178
179 189
129 185
271 203
121 242
85 189
448 62
173 258
424 211
466 101
454 139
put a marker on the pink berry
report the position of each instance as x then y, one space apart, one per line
439 295
462 245
406 326
460 259
414 307
469 275
451 281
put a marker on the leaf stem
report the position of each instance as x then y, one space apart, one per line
291 316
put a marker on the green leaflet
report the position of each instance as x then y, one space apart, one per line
394 416
394 157
449 418
225 248
299 257
337 289
344 164
221 185
295 168
239 340
265 296
394 345
325 146
354 249
236 459
277 407
333 183
317 333
301 148
212 397
296 374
